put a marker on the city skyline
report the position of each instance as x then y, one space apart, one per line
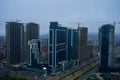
59 39
62 42
66 12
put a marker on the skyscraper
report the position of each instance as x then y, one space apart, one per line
82 43
107 45
99 39
90 50
34 56
57 45
72 42
31 32
15 42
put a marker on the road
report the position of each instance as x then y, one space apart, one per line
77 73
67 75
89 73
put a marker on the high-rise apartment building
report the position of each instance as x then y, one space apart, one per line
31 32
107 44
82 43
34 56
99 39
15 42
90 51
57 45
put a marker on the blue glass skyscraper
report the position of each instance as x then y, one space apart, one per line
72 38
107 45
57 45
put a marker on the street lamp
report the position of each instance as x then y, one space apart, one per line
45 69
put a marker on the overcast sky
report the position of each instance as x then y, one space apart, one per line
67 12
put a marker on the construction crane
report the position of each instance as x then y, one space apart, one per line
17 20
114 23
77 23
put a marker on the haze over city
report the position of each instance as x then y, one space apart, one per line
59 40
64 11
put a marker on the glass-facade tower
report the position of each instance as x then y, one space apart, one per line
107 46
57 45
